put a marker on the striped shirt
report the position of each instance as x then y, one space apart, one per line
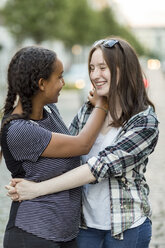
124 163
53 217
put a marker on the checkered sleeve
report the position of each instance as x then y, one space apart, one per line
130 149
80 119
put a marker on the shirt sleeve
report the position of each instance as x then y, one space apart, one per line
130 150
80 119
27 140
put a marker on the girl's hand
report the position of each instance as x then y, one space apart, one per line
20 189
95 100
12 193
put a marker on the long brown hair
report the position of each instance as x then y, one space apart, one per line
127 85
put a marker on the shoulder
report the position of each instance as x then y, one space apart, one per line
21 124
51 108
22 136
18 124
21 130
146 118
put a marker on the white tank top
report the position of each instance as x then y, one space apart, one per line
95 197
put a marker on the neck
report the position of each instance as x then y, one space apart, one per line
37 109
108 120
37 113
106 125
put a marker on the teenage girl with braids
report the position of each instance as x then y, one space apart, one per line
116 211
37 145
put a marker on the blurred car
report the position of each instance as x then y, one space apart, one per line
77 76
146 82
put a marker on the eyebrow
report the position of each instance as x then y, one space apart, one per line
103 63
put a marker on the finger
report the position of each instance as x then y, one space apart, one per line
8 195
15 198
90 98
91 93
11 190
16 180
7 187
12 183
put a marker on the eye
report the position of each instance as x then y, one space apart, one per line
103 68
61 76
91 68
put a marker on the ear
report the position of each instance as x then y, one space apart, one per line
42 84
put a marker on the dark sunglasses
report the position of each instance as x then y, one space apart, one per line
106 43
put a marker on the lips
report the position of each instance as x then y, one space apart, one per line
100 84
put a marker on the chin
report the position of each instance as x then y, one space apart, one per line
102 93
55 100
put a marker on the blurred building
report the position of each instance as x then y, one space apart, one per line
7 48
153 38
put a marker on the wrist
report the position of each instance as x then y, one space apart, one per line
102 108
102 103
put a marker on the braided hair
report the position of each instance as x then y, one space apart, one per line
27 66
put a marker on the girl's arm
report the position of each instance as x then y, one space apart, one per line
26 190
62 145
130 151
23 135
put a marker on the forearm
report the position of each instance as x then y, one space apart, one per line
63 146
90 131
72 179
131 150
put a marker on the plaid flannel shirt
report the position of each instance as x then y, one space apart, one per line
124 163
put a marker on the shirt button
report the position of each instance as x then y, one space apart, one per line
123 179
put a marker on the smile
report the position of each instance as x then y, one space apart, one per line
100 83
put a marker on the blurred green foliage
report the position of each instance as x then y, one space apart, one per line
72 21
1 114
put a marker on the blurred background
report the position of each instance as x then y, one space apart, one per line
70 27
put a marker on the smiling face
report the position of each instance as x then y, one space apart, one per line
99 73
55 83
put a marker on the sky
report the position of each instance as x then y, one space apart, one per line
143 12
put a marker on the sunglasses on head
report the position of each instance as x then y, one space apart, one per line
106 43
